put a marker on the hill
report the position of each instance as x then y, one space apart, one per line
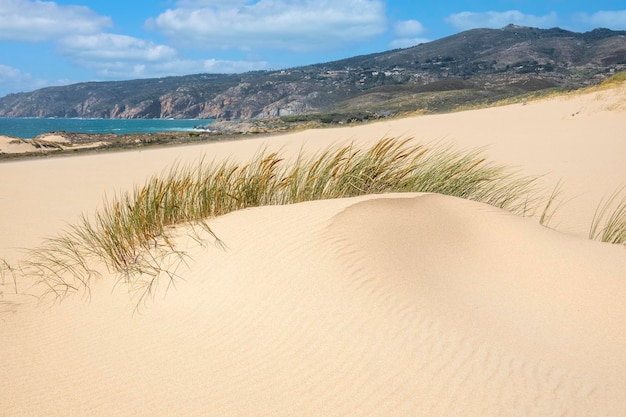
472 67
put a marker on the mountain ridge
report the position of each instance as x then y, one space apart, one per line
479 65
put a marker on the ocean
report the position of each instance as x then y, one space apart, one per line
28 128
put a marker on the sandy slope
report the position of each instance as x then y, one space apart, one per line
403 305
410 304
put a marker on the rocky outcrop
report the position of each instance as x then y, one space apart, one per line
491 63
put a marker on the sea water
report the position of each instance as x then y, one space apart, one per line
28 128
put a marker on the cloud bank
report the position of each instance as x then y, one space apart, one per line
177 66
80 35
275 24
23 20
13 80
106 46
615 19
120 56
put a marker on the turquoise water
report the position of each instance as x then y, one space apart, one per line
28 128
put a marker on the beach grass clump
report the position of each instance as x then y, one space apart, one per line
609 221
615 79
130 234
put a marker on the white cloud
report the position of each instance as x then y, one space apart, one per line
106 46
278 24
408 32
615 19
496 20
126 70
406 42
184 66
8 73
12 80
37 21
408 28
120 56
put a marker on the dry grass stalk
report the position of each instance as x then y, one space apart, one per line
609 220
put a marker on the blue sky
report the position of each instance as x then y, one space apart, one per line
46 43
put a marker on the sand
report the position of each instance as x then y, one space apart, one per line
14 145
398 304
45 143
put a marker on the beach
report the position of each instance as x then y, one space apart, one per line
387 304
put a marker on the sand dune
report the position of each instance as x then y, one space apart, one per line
384 305
390 305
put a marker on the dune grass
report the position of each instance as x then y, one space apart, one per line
131 233
609 220
7 273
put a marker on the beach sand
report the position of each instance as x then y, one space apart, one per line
383 305
42 144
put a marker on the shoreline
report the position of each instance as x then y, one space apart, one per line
65 143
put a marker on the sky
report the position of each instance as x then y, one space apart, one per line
45 43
